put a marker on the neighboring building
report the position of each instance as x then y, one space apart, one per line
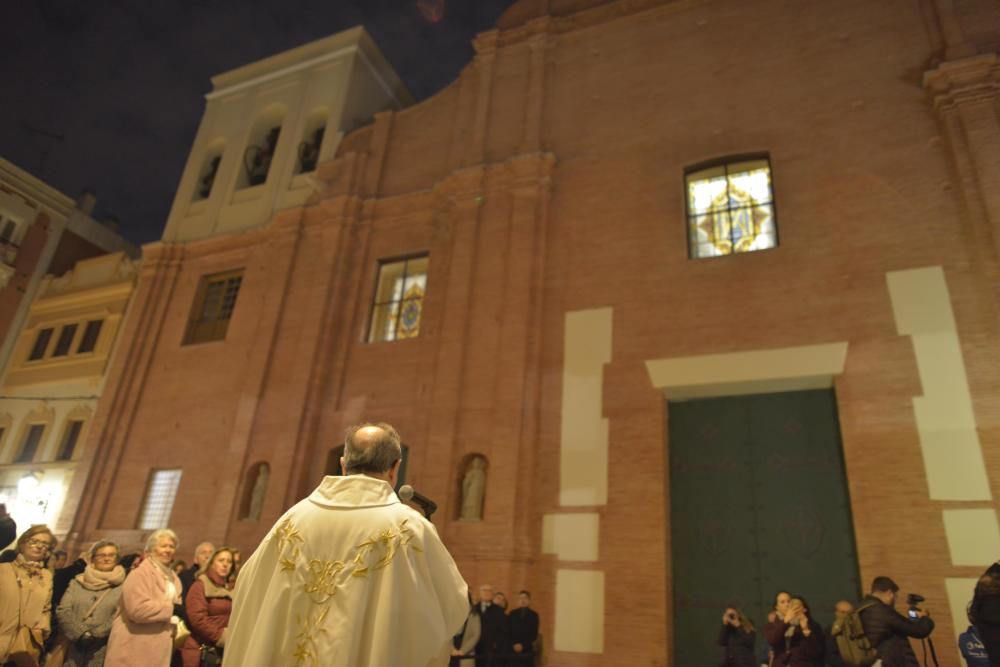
709 286
50 388
42 231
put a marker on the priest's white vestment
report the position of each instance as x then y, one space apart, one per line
348 577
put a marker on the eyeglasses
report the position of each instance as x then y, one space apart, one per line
110 555
38 544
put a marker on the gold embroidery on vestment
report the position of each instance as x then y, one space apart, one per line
321 584
306 649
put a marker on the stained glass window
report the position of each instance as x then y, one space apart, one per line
730 208
399 299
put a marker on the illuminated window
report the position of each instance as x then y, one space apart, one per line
159 501
730 208
213 307
65 340
399 299
70 437
91 333
41 345
30 444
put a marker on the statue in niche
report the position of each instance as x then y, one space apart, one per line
473 486
257 495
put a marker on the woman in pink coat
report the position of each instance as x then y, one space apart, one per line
143 633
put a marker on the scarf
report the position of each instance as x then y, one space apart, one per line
215 586
94 580
31 567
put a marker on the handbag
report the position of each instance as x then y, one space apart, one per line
24 650
211 656
181 633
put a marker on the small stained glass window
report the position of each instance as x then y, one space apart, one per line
399 299
90 335
70 438
730 208
159 502
30 444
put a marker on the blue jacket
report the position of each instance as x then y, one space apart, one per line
972 649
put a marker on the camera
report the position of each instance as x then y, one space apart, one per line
913 601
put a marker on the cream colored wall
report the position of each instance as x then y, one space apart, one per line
342 70
573 535
946 425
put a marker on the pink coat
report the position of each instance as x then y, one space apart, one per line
142 634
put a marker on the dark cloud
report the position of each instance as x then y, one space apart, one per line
121 82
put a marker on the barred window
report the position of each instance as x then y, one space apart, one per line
29 446
399 299
213 307
159 503
41 345
70 437
65 340
730 208
91 332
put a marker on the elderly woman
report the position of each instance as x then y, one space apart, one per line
208 605
89 605
26 598
142 635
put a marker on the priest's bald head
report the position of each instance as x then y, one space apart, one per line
373 450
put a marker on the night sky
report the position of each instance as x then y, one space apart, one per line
121 83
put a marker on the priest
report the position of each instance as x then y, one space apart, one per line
349 576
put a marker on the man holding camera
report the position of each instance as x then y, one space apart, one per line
888 630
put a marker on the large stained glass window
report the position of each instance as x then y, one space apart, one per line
399 299
730 208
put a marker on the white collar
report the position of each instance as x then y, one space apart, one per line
353 491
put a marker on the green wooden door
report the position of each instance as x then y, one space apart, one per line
758 503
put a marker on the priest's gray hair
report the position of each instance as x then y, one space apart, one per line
155 536
375 453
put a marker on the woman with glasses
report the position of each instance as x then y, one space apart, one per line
89 605
144 632
26 598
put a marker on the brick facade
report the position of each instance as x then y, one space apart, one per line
547 179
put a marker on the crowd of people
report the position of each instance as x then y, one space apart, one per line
871 632
111 609
492 636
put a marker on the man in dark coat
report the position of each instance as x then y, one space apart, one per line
8 529
493 638
985 612
888 630
523 631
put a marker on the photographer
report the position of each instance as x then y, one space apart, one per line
737 638
888 630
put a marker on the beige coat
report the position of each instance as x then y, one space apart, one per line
142 634
27 597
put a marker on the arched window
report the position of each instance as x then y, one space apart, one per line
312 141
261 146
254 491
7 231
209 168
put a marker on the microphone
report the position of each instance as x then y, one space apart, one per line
407 493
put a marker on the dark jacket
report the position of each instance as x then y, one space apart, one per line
523 623
985 611
8 531
737 646
493 639
802 651
972 649
832 658
888 631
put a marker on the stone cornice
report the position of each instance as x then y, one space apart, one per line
966 80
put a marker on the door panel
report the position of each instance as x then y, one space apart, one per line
758 502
